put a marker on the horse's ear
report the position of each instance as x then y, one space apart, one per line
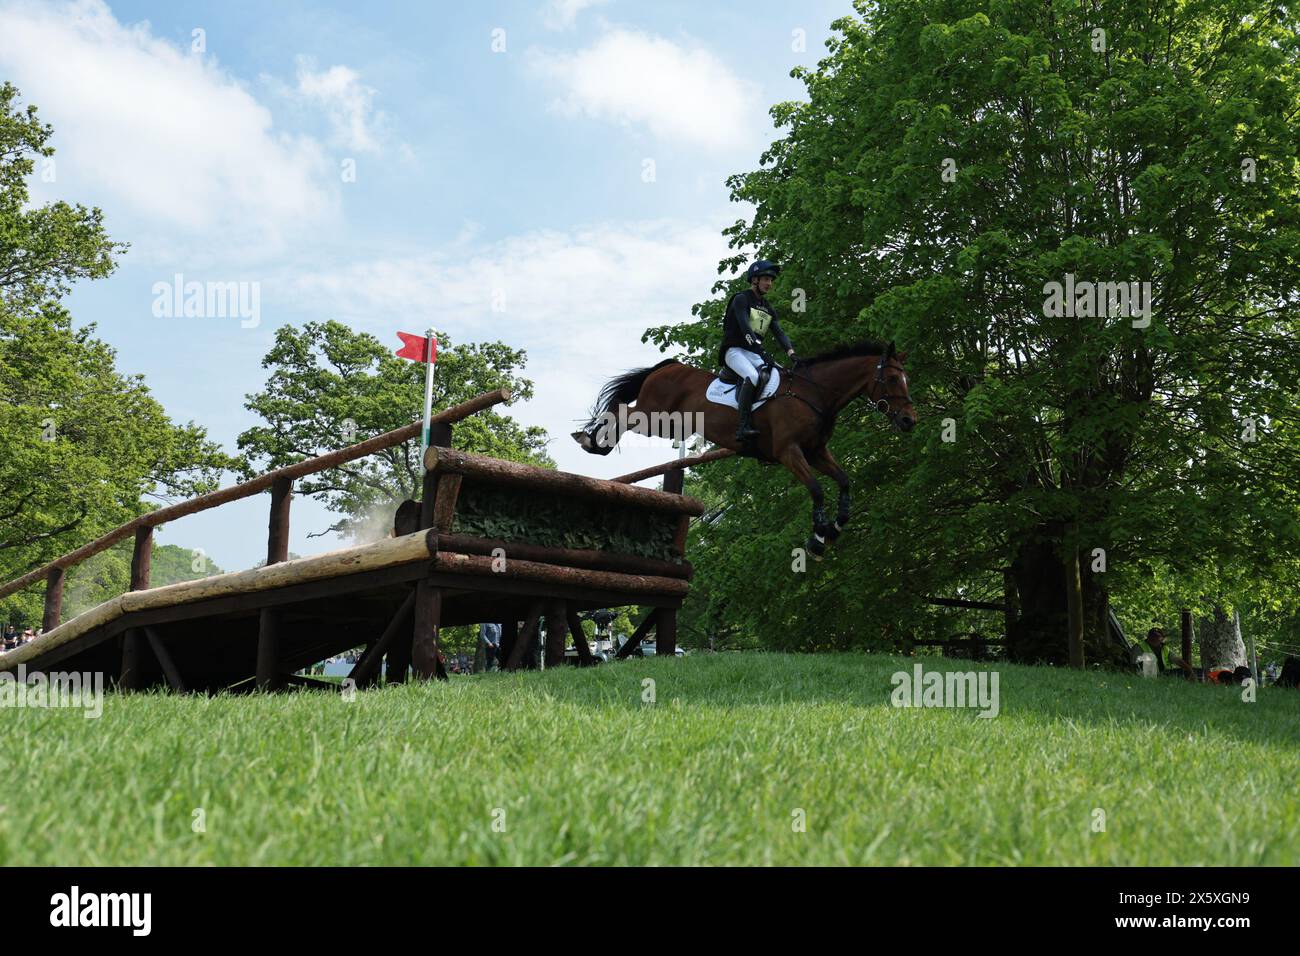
902 356
890 353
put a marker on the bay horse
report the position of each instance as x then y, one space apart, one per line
795 423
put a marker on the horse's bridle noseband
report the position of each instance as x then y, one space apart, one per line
882 400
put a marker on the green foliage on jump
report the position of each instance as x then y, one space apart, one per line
952 161
557 521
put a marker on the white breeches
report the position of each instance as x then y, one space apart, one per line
744 363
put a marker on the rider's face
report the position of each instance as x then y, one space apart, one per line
764 283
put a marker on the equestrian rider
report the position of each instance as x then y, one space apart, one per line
750 317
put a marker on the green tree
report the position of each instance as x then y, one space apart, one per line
84 445
331 386
952 159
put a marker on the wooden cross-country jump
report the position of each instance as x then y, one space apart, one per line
253 630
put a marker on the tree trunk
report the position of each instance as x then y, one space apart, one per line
1041 633
1220 641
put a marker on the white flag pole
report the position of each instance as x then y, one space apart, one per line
428 392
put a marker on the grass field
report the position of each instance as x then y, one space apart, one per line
571 766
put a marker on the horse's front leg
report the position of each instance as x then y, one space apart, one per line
794 460
823 461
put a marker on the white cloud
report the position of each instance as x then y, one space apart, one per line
161 137
562 14
677 92
577 301
347 102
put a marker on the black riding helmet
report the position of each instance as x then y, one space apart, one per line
762 268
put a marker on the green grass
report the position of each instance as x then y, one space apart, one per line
712 773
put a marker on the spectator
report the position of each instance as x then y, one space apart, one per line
1167 662
489 641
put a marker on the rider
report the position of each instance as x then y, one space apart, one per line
750 317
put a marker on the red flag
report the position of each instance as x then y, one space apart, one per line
414 347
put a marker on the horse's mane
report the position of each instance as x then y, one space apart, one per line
865 347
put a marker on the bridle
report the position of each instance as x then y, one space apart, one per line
881 401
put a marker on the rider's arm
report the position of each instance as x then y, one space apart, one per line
775 329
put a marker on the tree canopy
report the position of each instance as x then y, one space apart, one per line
952 160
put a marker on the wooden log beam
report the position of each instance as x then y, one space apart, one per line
367 668
53 613
677 465
638 635
526 636
300 680
142 559
453 563
277 533
585 658
529 477
169 668
589 558
973 605
255 486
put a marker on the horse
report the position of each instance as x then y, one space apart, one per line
809 397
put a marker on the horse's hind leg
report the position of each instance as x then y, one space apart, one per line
823 461
793 459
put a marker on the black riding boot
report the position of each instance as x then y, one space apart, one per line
745 398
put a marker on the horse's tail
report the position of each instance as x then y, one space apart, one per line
620 390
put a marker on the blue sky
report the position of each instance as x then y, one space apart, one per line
561 192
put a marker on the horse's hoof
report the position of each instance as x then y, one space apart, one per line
832 533
817 546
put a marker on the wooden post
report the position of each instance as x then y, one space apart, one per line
277 536
444 506
509 635
277 550
53 600
666 632
268 649
557 627
440 435
142 559
526 637
131 677
1186 646
424 638
1074 607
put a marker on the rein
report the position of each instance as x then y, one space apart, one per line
828 418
